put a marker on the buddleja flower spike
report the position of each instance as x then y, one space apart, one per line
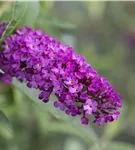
45 64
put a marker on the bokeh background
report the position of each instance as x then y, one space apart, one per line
104 33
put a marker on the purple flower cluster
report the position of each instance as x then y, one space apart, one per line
2 28
46 64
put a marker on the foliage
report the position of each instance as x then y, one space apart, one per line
35 125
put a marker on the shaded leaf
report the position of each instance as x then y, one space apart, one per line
85 131
73 144
4 121
31 14
51 21
114 128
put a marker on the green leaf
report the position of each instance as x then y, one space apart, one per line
51 21
111 130
47 125
31 14
4 121
114 128
84 131
72 143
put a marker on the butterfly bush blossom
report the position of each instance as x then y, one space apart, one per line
45 64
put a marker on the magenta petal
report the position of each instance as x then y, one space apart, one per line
95 103
89 111
84 120
56 104
86 107
89 101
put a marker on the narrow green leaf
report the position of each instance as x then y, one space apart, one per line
113 129
72 143
86 131
31 14
4 121
51 21
5 126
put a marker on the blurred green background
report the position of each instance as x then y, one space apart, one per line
104 33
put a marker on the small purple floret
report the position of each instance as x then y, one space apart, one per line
90 106
85 120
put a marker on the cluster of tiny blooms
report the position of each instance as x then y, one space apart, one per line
45 64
